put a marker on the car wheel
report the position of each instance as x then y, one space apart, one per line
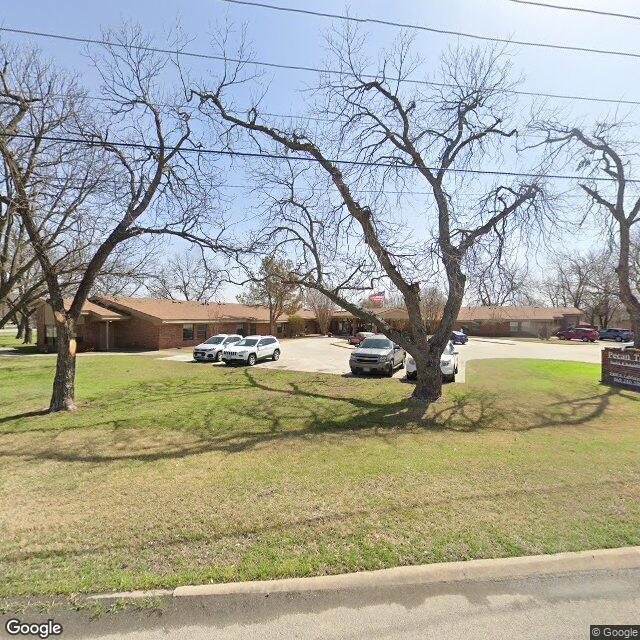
412 376
276 355
217 357
618 338
251 360
355 372
389 371
451 378
585 339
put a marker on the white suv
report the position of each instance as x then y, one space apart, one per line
251 349
211 350
448 364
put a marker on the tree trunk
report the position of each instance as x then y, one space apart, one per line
429 378
627 295
20 331
62 398
27 330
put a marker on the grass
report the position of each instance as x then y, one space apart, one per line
172 473
8 340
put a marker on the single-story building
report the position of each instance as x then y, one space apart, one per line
109 322
517 320
476 321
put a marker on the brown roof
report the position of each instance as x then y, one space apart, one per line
90 308
469 314
190 311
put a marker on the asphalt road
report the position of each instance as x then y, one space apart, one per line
549 607
331 355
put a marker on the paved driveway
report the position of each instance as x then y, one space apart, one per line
331 355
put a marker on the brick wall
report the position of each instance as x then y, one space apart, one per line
87 333
134 333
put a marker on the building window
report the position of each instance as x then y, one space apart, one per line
187 332
514 327
201 330
240 329
50 333
279 327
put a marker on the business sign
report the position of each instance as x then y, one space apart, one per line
621 368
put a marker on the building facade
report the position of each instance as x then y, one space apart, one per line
521 321
111 323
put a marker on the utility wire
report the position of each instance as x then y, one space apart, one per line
275 156
597 12
461 34
274 65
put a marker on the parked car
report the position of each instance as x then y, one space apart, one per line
459 337
448 364
619 335
377 354
578 333
356 339
251 349
211 350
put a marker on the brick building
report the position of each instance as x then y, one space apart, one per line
477 321
108 323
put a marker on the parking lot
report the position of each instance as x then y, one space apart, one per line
331 355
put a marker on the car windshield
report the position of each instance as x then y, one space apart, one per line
214 340
246 342
376 343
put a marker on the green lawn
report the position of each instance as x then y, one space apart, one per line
173 473
8 339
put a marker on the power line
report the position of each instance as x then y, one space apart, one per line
461 34
597 12
275 156
274 65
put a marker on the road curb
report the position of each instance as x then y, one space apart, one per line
469 571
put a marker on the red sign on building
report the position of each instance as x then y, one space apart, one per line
621 368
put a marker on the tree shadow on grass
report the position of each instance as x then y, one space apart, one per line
281 411
25 414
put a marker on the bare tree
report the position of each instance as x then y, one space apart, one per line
274 288
125 169
613 195
586 281
322 307
383 130
495 279
186 277
432 302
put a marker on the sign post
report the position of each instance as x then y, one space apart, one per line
621 368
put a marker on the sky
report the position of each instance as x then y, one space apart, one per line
298 39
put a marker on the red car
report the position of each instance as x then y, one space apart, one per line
356 339
576 333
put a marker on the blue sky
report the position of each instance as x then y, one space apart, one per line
298 39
